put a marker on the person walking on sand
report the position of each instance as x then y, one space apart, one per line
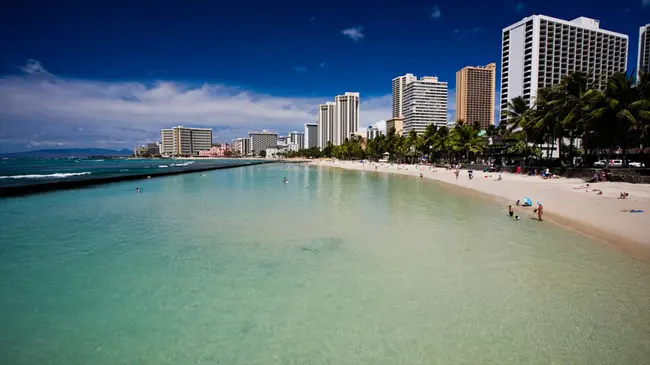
540 211
457 172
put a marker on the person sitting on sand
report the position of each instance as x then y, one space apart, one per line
539 210
582 187
623 195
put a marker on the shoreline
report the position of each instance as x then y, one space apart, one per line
596 216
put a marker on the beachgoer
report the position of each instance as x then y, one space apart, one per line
457 172
623 195
517 202
540 211
421 176
510 211
499 178
137 190
284 180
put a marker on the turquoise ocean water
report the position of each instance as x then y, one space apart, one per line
235 267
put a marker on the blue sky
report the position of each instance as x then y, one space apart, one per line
112 73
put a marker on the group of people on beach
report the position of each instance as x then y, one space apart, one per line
539 210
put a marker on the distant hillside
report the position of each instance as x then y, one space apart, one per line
71 152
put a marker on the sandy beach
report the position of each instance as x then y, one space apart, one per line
599 216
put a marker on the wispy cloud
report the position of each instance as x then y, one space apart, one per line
40 144
87 113
436 13
519 6
462 33
356 33
645 3
34 67
322 64
299 68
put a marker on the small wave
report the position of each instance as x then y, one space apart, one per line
46 176
124 170
182 164
163 166
97 160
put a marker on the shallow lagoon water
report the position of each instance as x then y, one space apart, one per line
235 267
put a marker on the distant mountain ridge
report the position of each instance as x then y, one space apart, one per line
71 152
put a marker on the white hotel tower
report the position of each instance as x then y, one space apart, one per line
539 50
643 62
424 103
338 120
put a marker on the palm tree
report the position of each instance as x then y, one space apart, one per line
441 141
464 138
621 103
519 116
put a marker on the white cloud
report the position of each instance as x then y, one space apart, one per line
322 64
645 2
519 7
34 67
33 144
87 113
354 33
436 13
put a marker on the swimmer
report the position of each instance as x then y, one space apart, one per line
137 190
284 180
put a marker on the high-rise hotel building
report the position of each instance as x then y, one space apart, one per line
424 103
261 140
325 124
338 120
399 83
643 62
539 50
182 141
475 94
311 135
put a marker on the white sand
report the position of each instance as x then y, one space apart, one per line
600 216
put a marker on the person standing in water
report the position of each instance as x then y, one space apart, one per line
457 172
284 180
137 190
540 211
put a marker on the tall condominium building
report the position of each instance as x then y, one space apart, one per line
398 94
539 50
311 135
346 120
297 138
325 124
475 94
425 102
241 146
261 140
397 123
643 62
185 141
338 120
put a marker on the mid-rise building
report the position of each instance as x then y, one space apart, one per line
283 140
399 83
242 146
311 135
538 51
372 132
475 94
167 142
643 62
183 141
325 124
425 102
297 138
346 120
261 140
397 123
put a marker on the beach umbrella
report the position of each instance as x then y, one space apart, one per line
527 201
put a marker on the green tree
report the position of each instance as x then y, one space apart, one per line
465 139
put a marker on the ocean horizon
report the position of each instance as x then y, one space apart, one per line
236 267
